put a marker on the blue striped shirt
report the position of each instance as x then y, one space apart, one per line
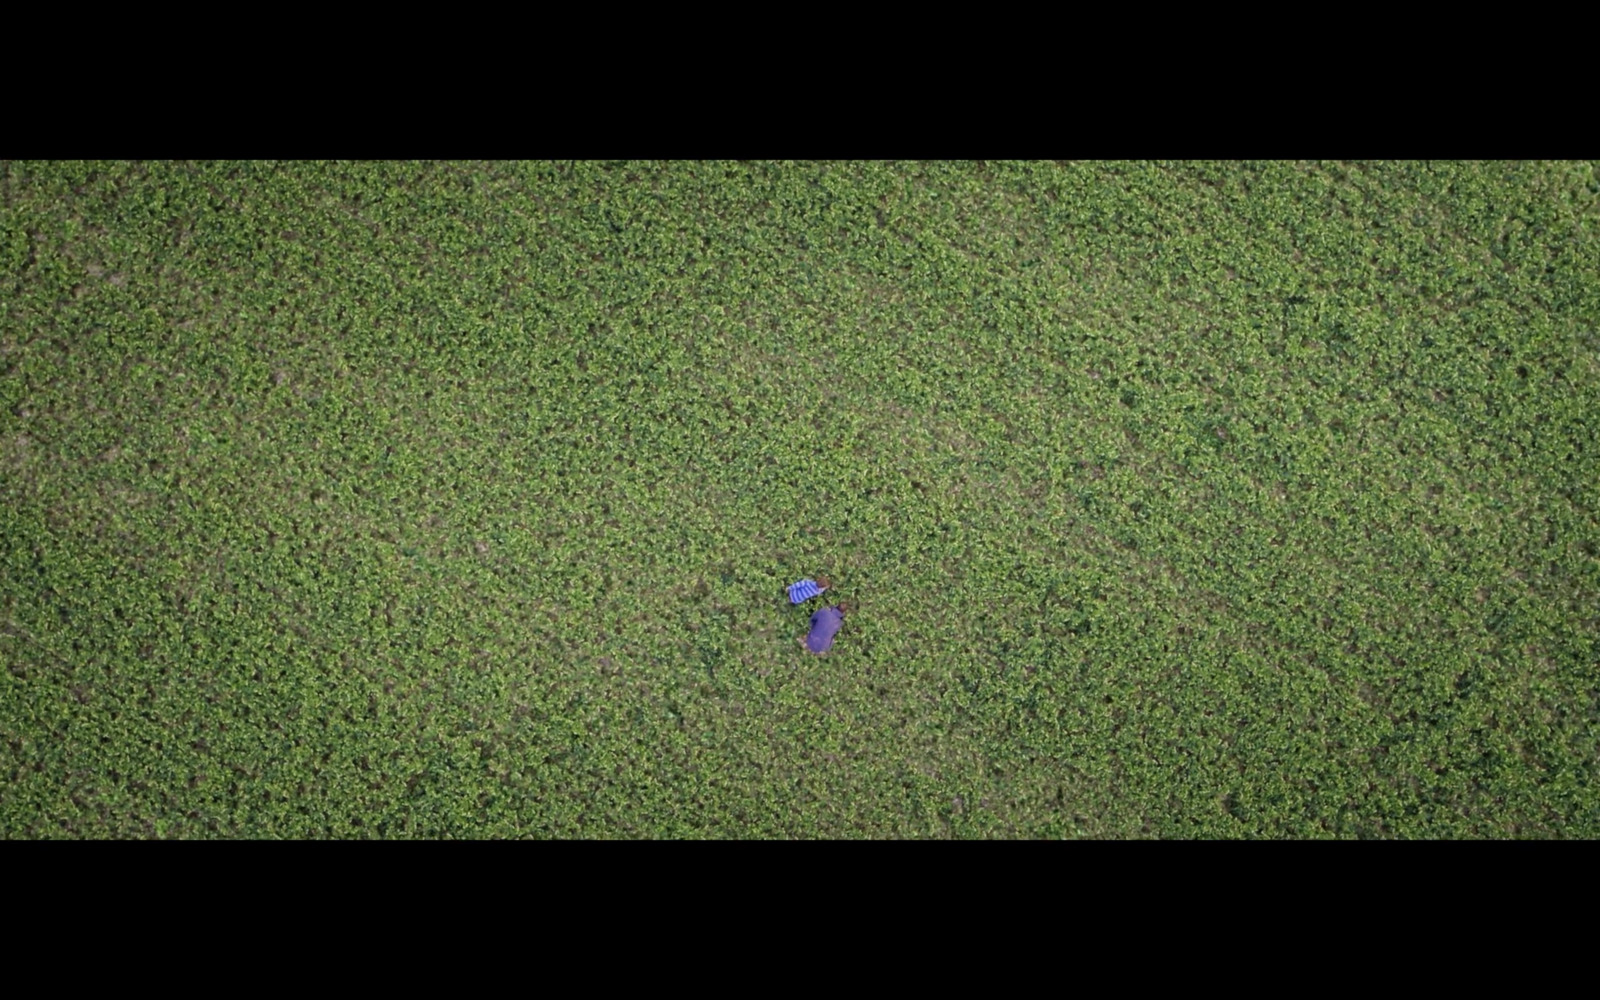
804 591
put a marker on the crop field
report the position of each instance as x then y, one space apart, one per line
442 500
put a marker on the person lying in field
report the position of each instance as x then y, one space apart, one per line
824 626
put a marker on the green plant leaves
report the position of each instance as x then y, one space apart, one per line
443 499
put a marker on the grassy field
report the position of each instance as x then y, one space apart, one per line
443 500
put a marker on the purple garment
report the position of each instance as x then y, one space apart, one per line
823 626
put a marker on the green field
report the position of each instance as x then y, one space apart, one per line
1186 500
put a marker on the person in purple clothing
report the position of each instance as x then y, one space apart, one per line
824 626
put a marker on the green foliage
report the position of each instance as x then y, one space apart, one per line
451 500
